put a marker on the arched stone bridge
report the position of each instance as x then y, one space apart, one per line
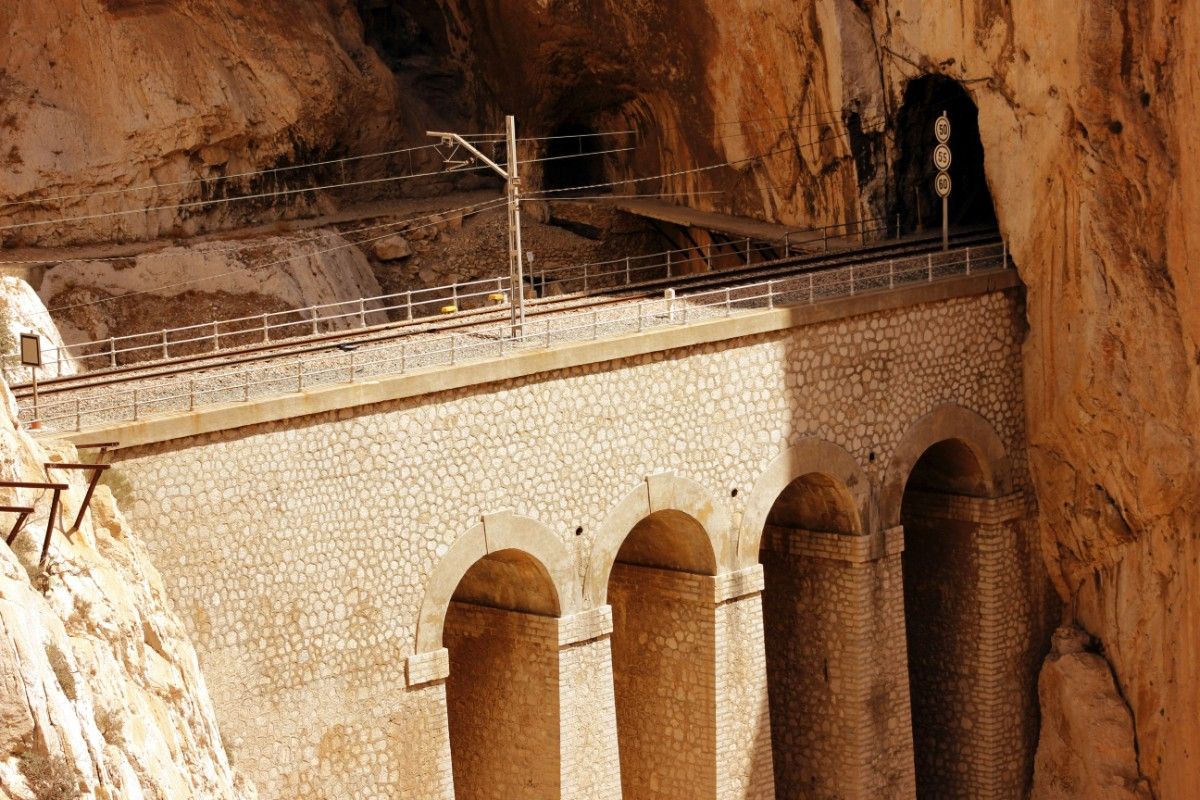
790 554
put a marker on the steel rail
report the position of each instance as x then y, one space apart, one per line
472 317
541 307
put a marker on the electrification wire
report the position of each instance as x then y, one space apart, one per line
272 194
694 170
215 178
480 207
489 205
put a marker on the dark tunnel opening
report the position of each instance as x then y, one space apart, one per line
573 158
916 201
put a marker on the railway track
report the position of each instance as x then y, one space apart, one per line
484 319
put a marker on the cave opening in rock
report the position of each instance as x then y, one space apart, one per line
916 202
941 615
574 158
663 658
502 699
803 604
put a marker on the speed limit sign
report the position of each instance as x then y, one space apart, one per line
942 157
943 184
941 129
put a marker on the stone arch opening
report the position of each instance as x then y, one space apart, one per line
573 157
804 623
663 648
916 201
942 612
502 699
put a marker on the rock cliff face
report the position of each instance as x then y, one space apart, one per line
107 95
101 695
1087 117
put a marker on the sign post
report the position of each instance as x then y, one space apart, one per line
31 356
942 158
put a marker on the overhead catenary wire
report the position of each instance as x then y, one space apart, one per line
272 194
489 205
201 180
479 207
215 178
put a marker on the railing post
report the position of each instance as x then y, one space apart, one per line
891 273
300 375
135 405
747 251
112 352
585 277
897 226
453 353
825 237
245 386
454 295
627 276
547 332
403 357
1004 254
770 294
851 280
408 303
930 260
351 367
641 315
669 297
216 337
164 344
668 263
362 312
315 321
728 304
78 423
968 261
191 394
810 289
266 329
595 324
787 244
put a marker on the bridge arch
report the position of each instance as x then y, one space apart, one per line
946 423
521 558
653 561
667 498
809 457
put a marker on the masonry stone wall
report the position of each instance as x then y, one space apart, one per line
503 695
299 552
664 670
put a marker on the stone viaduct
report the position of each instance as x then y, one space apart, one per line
788 554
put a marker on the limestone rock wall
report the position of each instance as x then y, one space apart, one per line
101 693
105 95
212 280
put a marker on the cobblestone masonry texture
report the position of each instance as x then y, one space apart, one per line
298 552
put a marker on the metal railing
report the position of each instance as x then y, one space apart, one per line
424 351
213 338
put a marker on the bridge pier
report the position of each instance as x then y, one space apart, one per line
691 684
972 682
837 664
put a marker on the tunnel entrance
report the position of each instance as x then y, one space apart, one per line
502 697
574 158
916 201
942 610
